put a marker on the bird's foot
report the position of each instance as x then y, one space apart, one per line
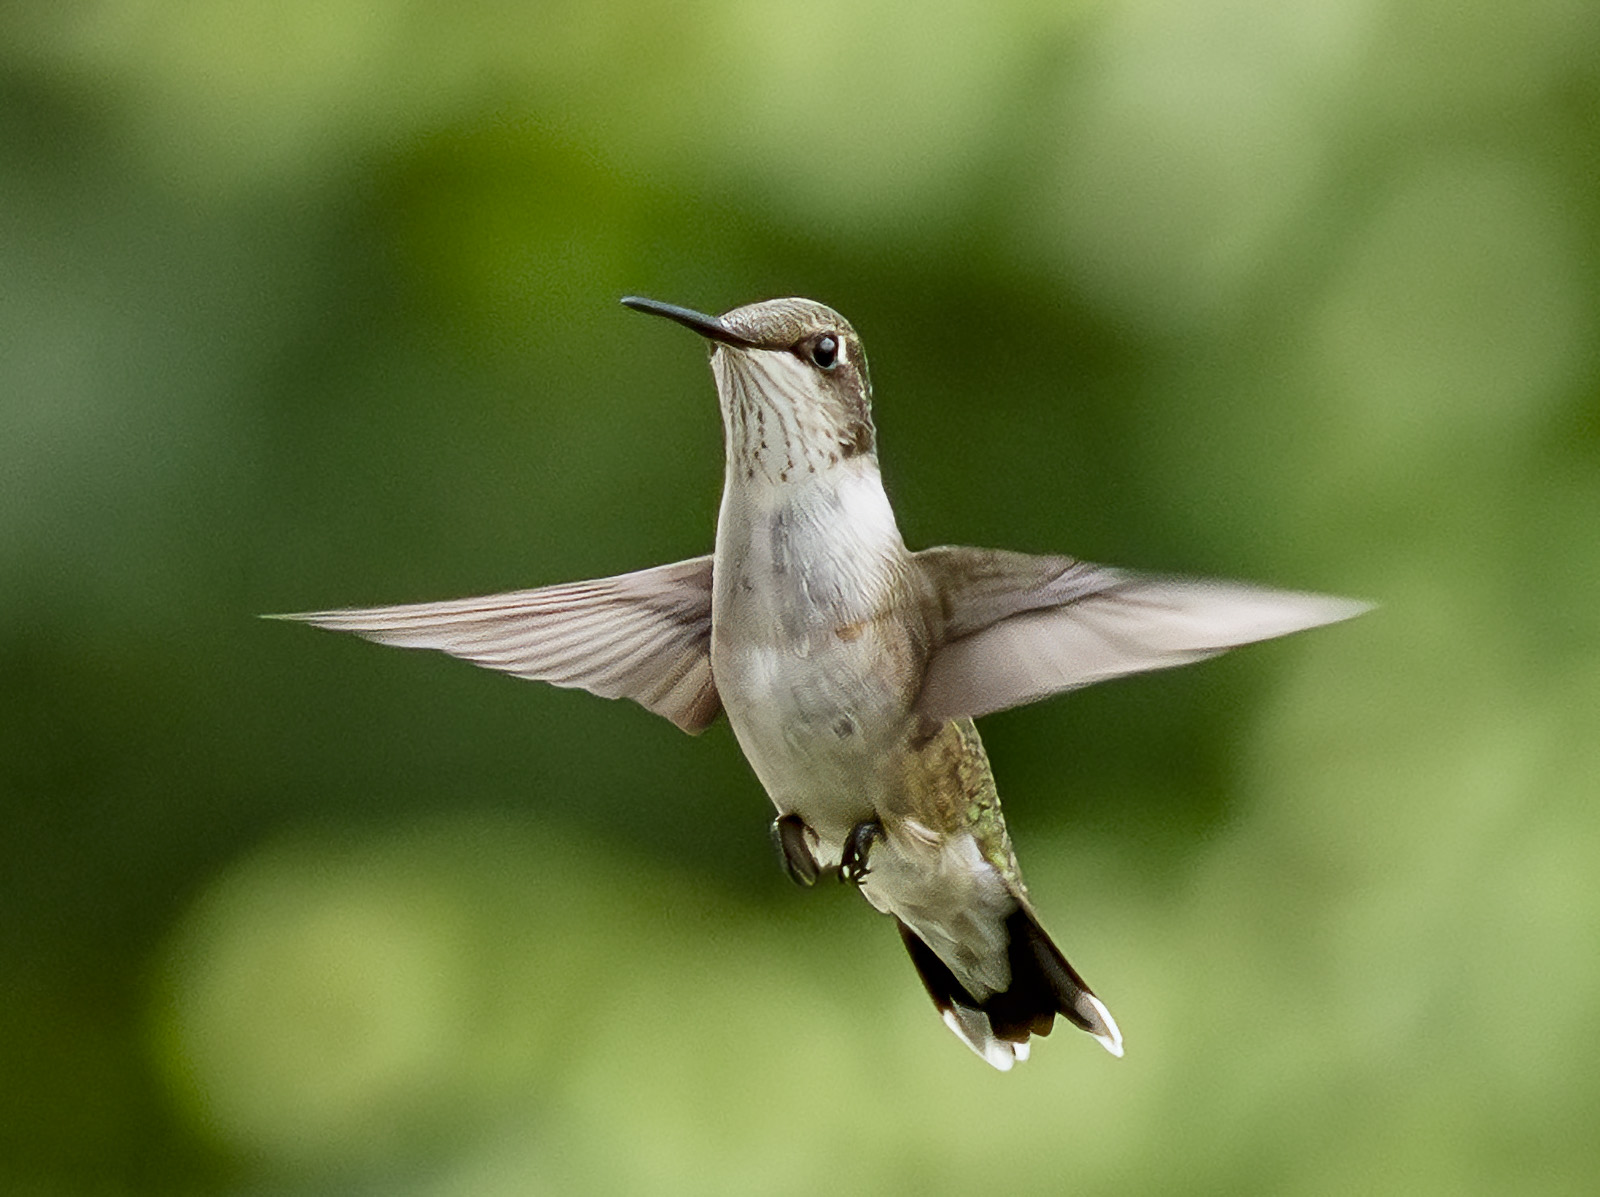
853 862
789 834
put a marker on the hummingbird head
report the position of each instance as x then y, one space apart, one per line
792 380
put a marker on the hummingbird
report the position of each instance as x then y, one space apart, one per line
851 668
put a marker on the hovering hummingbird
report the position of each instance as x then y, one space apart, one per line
851 669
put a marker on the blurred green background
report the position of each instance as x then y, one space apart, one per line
310 303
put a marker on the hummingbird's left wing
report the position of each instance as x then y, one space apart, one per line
644 636
1014 628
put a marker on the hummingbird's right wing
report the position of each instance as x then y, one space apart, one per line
644 636
1015 628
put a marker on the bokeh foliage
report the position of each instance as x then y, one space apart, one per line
314 303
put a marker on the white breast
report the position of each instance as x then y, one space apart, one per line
798 648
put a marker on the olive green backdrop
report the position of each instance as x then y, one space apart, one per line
313 303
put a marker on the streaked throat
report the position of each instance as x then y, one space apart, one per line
777 428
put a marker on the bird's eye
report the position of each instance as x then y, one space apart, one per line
825 351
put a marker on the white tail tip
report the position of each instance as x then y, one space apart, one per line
1111 1038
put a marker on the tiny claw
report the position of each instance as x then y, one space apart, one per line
789 834
853 862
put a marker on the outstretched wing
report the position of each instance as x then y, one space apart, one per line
644 636
1012 628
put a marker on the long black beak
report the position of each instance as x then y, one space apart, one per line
710 327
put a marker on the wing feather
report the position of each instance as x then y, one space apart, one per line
644 636
1014 628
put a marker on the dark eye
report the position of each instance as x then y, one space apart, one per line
825 351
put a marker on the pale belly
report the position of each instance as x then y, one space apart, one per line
813 644
818 674
837 752
818 724
824 719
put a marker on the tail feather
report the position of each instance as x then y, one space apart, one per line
1042 985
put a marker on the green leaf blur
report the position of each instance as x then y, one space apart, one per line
309 304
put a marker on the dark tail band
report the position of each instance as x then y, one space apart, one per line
1043 985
